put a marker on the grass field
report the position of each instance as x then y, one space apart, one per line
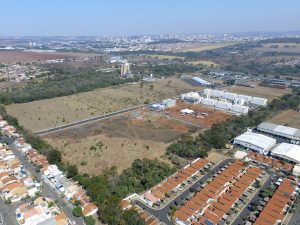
259 91
49 113
205 47
206 63
162 57
117 141
288 117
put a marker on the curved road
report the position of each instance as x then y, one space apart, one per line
162 214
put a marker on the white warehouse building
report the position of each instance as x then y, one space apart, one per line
287 151
256 142
229 95
279 130
259 101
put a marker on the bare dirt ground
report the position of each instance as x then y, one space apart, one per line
259 91
213 116
39 115
11 57
117 141
288 117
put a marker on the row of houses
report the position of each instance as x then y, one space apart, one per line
275 210
271 162
16 183
213 204
164 189
56 178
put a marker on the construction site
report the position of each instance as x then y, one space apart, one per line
196 114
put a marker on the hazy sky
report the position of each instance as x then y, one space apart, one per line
122 17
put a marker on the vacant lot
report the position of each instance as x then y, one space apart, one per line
49 113
259 91
288 117
10 57
202 116
117 141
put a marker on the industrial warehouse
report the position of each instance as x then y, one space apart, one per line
279 130
256 142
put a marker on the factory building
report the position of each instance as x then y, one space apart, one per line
287 151
223 105
208 101
191 97
259 101
246 98
255 142
239 108
280 131
230 95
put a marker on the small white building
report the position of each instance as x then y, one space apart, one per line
256 142
296 170
287 151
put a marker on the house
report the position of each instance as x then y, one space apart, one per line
14 191
89 209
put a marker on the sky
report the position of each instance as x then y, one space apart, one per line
128 17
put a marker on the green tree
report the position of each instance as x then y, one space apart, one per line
89 220
77 212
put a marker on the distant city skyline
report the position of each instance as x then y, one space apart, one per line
132 17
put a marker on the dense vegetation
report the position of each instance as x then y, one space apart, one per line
61 85
222 133
108 189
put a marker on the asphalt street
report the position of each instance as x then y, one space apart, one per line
47 191
162 214
246 211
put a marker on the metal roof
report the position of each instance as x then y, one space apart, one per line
259 140
287 151
284 130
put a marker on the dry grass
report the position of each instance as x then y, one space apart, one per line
49 113
259 91
205 47
288 117
139 134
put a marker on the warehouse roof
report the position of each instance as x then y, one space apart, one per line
279 129
287 151
259 140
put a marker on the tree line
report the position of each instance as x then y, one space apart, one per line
61 85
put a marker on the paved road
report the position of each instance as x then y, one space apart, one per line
47 190
246 211
162 214
93 119
295 219
7 216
